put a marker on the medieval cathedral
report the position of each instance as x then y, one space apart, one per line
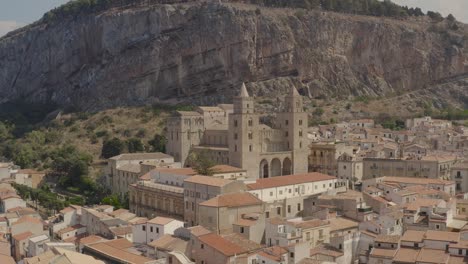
232 134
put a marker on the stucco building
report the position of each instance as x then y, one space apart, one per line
198 189
324 156
433 167
125 169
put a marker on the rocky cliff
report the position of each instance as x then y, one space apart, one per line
201 52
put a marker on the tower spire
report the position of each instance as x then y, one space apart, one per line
243 92
293 91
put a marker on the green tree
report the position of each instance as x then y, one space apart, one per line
318 112
451 18
112 200
4 131
135 145
112 148
201 162
24 155
70 165
436 16
158 143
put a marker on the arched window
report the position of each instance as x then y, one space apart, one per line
250 122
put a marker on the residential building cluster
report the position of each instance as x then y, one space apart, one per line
280 193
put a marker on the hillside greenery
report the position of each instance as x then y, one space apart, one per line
72 147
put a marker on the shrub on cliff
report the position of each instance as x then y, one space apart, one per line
112 148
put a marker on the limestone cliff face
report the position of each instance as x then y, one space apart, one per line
201 52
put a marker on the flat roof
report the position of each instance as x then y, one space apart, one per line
289 180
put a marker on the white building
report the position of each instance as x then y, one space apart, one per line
10 200
148 231
36 245
284 195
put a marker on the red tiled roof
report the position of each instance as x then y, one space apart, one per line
232 200
28 219
22 236
221 245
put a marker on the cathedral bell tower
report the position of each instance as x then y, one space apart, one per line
242 133
294 122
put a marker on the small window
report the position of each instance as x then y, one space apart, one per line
242 230
151 229
143 227
157 230
202 246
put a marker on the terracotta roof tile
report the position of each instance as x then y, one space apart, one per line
383 252
27 219
22 236
221 245
159 220
413 236
113 249
91 239
67 210
274 253
198 231
432 256
121 230
387 239
325 250
421 202
232 200
406 255
341 223
442 236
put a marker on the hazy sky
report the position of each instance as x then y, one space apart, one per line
16 13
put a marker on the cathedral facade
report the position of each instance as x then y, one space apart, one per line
233 134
